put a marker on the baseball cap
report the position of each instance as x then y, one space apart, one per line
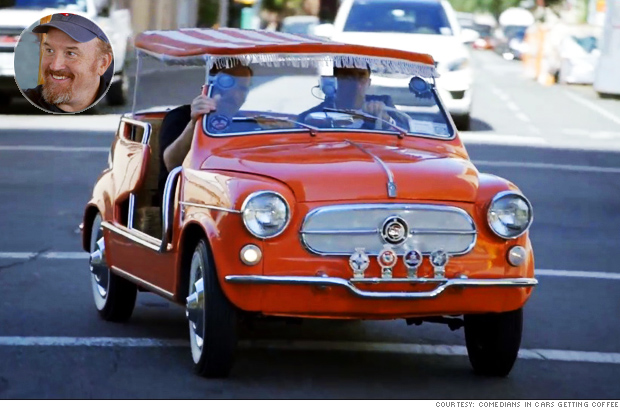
77 27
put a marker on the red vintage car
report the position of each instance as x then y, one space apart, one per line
308 203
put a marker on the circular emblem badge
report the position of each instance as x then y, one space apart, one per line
412 259
394 230
387 258
218 123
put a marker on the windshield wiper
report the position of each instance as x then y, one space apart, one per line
312 129
402 132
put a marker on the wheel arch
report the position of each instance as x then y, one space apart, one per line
90 213
193 232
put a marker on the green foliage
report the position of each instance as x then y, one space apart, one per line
208 12
494 7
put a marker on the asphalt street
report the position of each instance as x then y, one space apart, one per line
560 145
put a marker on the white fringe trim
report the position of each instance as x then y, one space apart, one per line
377 65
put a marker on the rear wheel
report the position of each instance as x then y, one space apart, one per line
212 318
462 122
115 297
118 94
493 341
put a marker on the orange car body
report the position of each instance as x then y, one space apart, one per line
310 173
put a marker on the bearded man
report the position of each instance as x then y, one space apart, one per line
75 54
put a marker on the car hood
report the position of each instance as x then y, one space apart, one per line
443 48
333 171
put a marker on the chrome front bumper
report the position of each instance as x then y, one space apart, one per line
443 284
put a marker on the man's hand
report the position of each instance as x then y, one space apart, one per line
201 105
376 108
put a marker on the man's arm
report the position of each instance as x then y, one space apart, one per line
175 153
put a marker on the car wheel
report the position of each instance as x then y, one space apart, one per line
115 297
118 93
212 318
493 341
462 122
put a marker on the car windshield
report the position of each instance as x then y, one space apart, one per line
398 17
345 100
75 5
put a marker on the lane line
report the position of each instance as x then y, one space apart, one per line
67 149
310 345
549 166
578 274
61 122
84 255
601 111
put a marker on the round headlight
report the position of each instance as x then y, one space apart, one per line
510 214
265 214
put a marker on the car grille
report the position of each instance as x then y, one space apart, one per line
340 229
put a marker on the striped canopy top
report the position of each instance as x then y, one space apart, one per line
225 46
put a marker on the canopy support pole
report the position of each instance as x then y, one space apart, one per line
135 85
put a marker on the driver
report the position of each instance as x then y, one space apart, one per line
352 85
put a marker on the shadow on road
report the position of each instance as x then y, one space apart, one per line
479 125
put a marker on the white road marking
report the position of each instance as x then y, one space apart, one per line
578 274
83 123
601 134
310 345
602 111
67 149
549 166
523 117
45 255
474 137
85 255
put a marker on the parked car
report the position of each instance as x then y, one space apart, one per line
425 26
572 53
484 41
16 15
299 24
510 42
341 214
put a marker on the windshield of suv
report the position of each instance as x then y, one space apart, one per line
75 5
267 99
398 17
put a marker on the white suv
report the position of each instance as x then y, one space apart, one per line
424 26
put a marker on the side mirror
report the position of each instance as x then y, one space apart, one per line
469 36
324 30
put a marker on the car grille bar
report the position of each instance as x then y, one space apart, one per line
340 229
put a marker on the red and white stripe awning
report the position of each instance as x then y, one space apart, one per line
211 46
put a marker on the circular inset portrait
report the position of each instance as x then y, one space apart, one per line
64 63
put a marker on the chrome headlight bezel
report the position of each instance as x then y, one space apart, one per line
503 233
248 222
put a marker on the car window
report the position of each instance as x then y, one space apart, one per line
398 17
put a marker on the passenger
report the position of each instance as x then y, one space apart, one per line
177 128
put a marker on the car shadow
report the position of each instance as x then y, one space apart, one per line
479 125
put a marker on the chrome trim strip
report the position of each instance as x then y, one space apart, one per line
347 232
430 231
388 207
391 185
147 128
209 207
167 207
130 210
143 283
504 194
133 236
321 131
326 281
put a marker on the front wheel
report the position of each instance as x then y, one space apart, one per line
115 297
212 318
493 341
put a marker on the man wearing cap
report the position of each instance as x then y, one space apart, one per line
75 54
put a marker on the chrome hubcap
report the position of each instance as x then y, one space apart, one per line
99 268
196 306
